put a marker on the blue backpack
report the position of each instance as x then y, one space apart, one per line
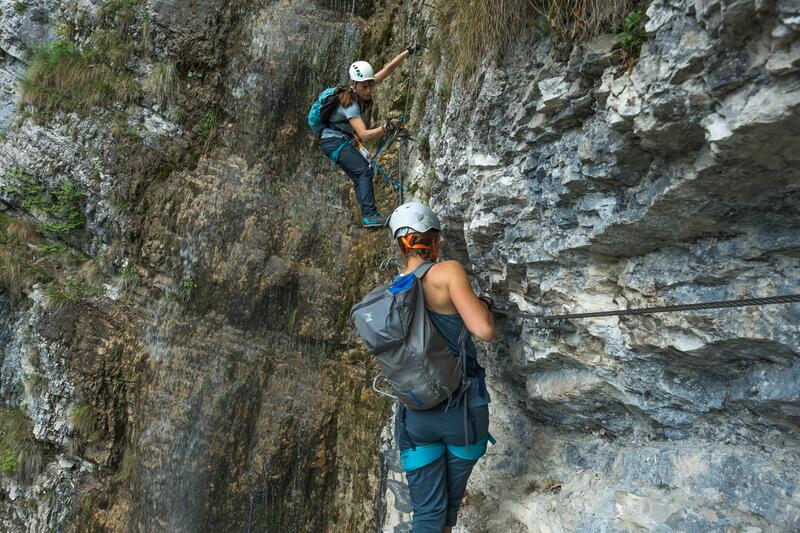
322 109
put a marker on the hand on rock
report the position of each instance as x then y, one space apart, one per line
487 301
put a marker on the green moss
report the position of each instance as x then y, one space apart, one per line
20 7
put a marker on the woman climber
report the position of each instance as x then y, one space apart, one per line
437 447
346 125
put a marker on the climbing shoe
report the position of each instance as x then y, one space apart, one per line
374 221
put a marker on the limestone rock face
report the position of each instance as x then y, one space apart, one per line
605 188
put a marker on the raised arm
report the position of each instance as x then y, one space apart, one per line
475 314
391 65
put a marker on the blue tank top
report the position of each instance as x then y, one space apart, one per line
450 328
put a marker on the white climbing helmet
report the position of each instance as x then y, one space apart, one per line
361 71
413 217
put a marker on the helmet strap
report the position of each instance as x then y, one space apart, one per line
407 242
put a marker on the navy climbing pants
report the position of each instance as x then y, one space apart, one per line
354 164
437 463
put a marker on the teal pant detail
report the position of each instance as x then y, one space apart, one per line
473 452
425 454
437 463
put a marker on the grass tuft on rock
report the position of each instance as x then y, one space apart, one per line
162 83
16 434
21 230
475 29
85 422
63 78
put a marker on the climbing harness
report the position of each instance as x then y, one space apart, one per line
386 142
543 320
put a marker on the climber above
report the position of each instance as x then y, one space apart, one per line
337 117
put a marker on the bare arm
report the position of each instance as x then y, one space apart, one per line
475 314
363 133
390 66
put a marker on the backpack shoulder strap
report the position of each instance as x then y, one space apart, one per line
421 270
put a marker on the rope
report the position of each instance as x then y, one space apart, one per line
723 304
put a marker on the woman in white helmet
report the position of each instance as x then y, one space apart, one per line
432 442
337 139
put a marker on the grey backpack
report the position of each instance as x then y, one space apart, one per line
412 355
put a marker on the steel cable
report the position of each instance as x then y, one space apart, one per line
723 304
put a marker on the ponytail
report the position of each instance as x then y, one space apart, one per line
425 245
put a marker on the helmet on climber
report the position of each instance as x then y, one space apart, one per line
361 71
417 230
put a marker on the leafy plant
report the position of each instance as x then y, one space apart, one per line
20 7
632 35
64 204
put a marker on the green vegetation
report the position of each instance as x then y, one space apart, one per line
162 83
189 284
16 434
122 129
207 123
62 77
63 205
20 7
85 422
129 271
126 465
632 36
68 292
